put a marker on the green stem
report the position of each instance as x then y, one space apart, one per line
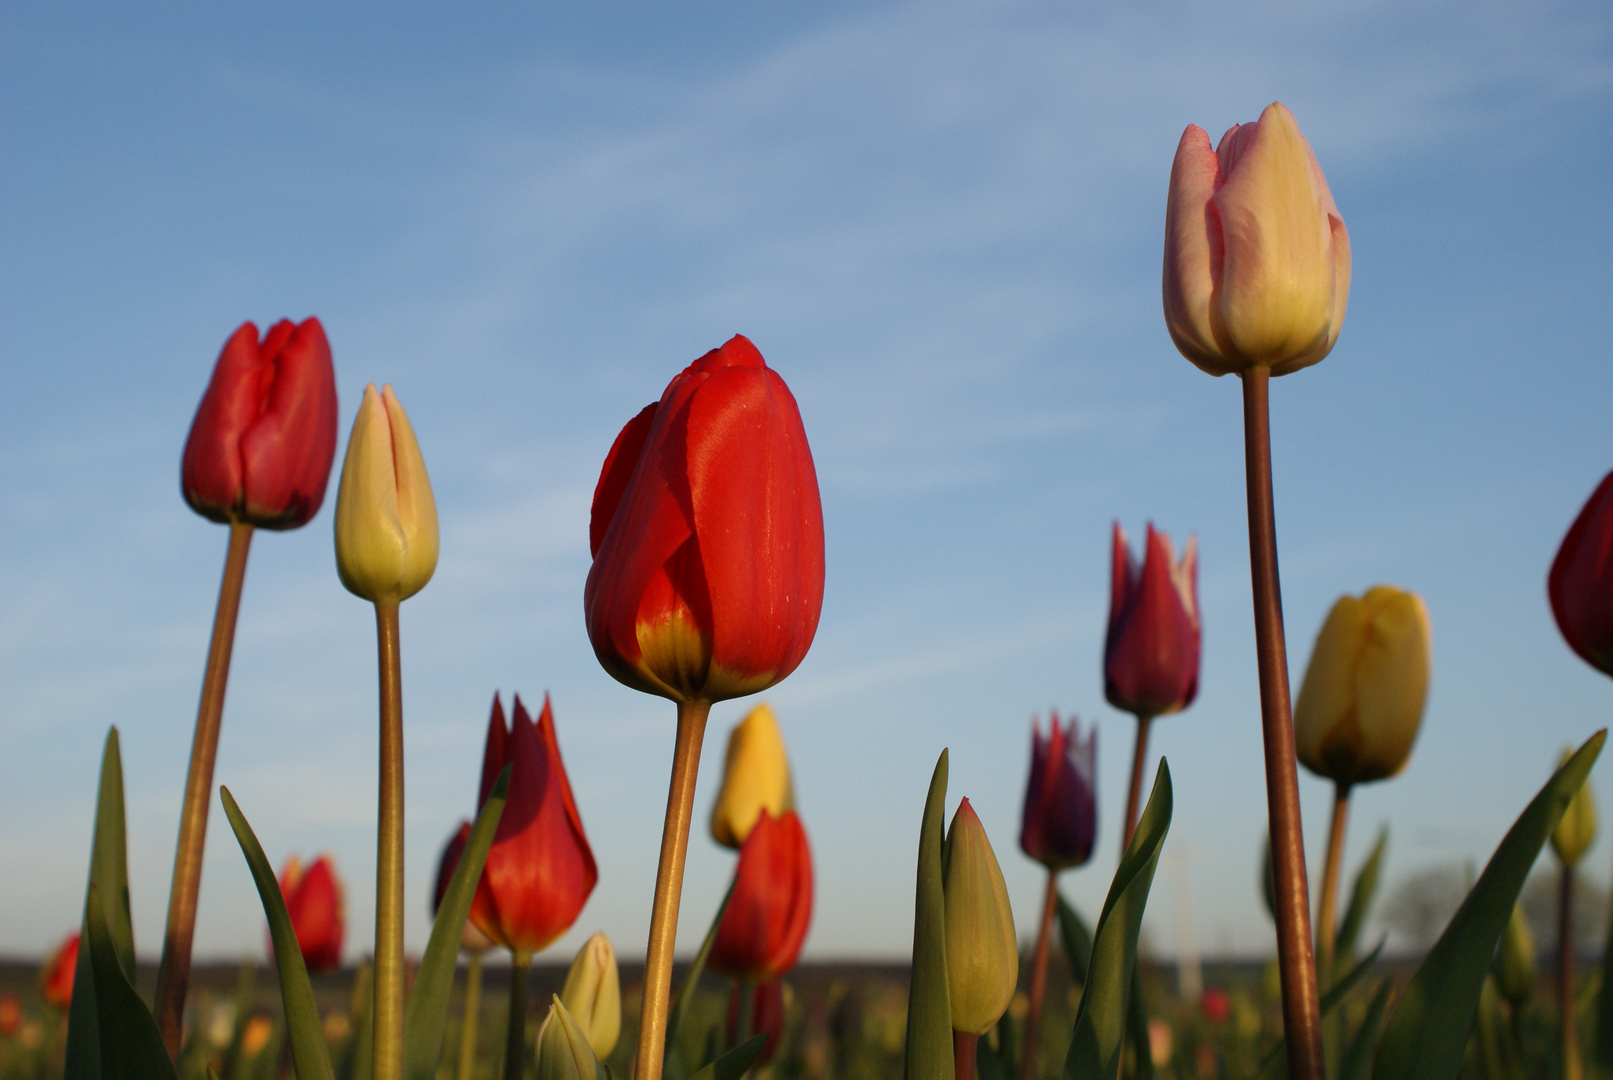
389 855
515 1032
473 1015
1572 1067
1134 796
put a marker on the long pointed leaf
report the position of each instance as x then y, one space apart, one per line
134 1049
735 1063
1142 1050
1429 1028
427 1016
308 1048
929 1005
1361 893
1358 1058
691 978
1100 1021
1077 940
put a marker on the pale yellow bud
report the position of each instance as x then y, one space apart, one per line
982 950
386 519
563 1050
593 996
756 777
1572 837
1514 963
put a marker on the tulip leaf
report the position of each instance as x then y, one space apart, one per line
1428 1030
691 978
109 876
735 1063
1100 1020
1361 893
308 1050
427 1016
1137 1031
1077 940
1357 1064
358 1063
125 1022
928 1054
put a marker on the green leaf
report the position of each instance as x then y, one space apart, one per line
1361 893
928 1055
691 978
1275 1063
427 1016
735 1063
1077 940
308 1050
1357 1064
1100 1021
109 875
127 1030
1429 1027
1137 1030
358 1063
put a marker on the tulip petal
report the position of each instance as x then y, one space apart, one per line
370 545
1581 582
287 450
1193 253
771 908
417 508
496 751
617 473
211 470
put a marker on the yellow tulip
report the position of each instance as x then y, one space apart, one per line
386 519
756 777
1514 963
982 950
1577 828
593 996
1361 703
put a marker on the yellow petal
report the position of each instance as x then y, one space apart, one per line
371 548
756 777
417 510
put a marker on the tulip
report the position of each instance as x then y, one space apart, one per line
563 1049
1577 827
707 536
766 1015
313 896
761 933
756 777
1257 259
56 977
981 949
386 519
1514 963
261 445
1215 1004
10 1014
471 940
1581 581
592 994
1060 822
1151 654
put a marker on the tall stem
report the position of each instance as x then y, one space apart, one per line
473 1016
1296 962
1134 800
669 888
1332 870
515 1032
389 855
1033 1018
965 1047
1572 1069
173 977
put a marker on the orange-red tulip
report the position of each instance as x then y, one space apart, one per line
471 939
314 902
10 1014
540 869
707 536
261 445
56 978
1151 657
766 922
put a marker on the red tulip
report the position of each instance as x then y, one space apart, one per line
1060 822
1151 658
766 1015
471 939
707 536
1216 1005
766 921
314 901
261 445
1581 581
56 978
10 1014
540 869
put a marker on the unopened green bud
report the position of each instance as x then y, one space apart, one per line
593 996
1514 966
982 951
1573 835
563 1050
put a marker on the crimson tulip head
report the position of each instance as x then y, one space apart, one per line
540 869
264 436
56 977
766 922
471 939
1581 581
313 897
707 536
1151 657
1060 823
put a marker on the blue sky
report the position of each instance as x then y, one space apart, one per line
942 225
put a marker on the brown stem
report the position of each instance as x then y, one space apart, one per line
1332 870
669 888
1572 1069
1038 989
173 976
1296 962
1134 800
388 1062
515 1032
964 1049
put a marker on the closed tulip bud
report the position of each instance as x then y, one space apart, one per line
1514 964
1060 822
386 519
563 1049
313 896
982 951
766 923
1581 581
261 445
471 939
1151 655
1361 703
1257 259
593 995
756 777
1576 829
540 869
56 977
707 536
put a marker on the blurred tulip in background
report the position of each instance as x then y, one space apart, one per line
315 903
1576 829
1581 581
1060 821
766 923
386 518
1151 654
756 777
471 940
56 977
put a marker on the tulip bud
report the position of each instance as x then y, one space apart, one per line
982 951
756 777
563 1050
1576 829
1151 654
1514 964
56 977
1060 821
471 939
1581 581
314 901
1361 703
1257 259
593 996
386 519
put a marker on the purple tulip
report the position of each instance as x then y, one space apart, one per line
1061 800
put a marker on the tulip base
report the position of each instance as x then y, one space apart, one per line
173 976
669 888
388 1060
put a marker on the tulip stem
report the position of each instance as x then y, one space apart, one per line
1038 988
389 854
1572 1068
1332 871
173 976
515 1032
669 888
1296 961
1134 800
964 1049
473 1016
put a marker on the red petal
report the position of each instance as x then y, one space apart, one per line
618 470
495 752
287 451
210 471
